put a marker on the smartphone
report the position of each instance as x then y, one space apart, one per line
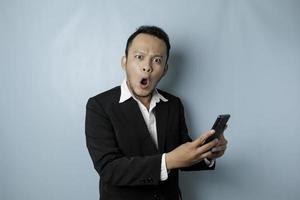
218 126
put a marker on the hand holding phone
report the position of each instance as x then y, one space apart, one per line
219 126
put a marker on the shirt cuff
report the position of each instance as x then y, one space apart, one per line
163 169
209 163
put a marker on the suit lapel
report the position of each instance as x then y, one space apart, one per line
161 115
131 112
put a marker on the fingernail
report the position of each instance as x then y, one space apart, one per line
212 131
216 139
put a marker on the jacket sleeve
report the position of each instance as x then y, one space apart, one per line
186 138
112 166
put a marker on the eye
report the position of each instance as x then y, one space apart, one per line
139 57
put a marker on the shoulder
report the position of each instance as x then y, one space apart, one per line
172 99
106 98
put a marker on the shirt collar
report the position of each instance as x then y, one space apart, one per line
126 94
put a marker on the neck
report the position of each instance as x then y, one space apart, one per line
145 101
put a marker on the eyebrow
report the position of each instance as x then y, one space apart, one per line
154 55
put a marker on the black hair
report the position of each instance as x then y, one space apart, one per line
151 30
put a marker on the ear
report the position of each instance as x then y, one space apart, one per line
166 69
123 62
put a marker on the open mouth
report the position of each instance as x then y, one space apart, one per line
145 82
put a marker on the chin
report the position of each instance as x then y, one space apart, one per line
143 93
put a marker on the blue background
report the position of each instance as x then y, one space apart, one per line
239 57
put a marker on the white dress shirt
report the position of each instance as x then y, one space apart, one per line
150 120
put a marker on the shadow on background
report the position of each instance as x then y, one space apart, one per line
176 73
193 184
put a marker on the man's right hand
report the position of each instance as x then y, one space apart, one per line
191 153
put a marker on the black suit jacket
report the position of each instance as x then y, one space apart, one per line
123 152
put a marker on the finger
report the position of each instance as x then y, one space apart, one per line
219 148
211 155
217 154
222 138
221 145
222 141
225 127
201 139
208 154
207 147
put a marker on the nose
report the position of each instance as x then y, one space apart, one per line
147 68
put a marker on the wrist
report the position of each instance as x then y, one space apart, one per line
170 163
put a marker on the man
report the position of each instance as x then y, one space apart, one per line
137 135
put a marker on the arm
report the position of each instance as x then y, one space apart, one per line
112 166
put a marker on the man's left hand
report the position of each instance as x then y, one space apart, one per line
220 148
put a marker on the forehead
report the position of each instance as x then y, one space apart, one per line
148 43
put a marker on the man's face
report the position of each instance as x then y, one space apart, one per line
145 64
